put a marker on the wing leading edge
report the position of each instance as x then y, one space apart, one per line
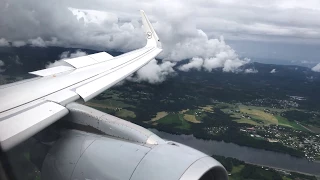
27 108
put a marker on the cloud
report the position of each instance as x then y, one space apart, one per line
103 30
4 42
227 65
277 20
1 65
250 71
316 68
17 61
273 71
220 61
37 42
66 55
154 72
195 63
18 43
94 16
187 29
213 53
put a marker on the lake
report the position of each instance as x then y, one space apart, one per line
247 154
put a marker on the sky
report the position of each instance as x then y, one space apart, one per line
211 33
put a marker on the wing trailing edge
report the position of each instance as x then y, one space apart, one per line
52 71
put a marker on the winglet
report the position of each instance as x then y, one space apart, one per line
152 37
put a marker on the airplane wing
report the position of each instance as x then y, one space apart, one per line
29 106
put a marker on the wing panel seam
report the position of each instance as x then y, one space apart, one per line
71 85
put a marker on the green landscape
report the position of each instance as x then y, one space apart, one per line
217 120
239 170
254 111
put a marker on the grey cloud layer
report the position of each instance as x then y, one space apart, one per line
187 29
257 20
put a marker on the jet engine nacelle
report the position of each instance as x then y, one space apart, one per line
134 153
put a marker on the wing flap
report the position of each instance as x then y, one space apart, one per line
52 71
102 56
83 61
21 126
80 62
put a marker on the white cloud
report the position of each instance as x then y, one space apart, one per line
273 71
233 65
181 40
187 29
154 72
195 63
4 42
94 16
227 60
66 55
250 71
18 43
227 65
37 42
213 53
316 68
1 63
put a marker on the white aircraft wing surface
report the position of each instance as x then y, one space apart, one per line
29 106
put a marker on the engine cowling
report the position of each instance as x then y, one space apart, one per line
83 155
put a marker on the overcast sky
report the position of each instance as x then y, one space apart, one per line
257 29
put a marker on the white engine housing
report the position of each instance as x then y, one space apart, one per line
80 155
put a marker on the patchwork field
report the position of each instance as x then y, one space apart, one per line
175 120
125 113
183 111
246 121
284 122
191 118
181 119
159 116
256 116
207 108
259 115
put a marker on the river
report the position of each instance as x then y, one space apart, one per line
247 154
